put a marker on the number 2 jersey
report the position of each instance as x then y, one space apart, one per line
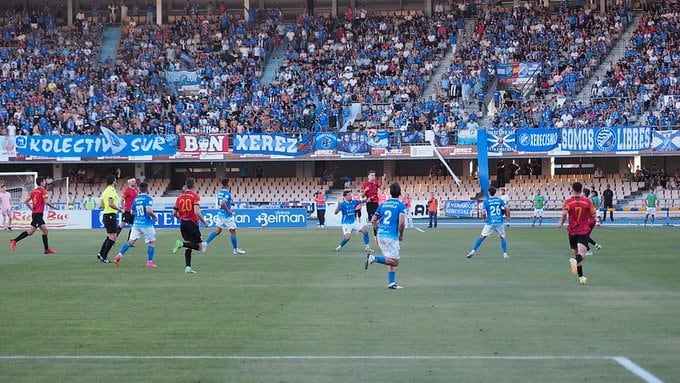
138 208
389 212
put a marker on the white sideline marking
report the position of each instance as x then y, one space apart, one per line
637 370
419 229
623 361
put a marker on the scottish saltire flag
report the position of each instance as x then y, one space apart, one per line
500 141
666 140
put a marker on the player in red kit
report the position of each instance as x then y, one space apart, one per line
369 191
188 210
129 194
36 201
580 212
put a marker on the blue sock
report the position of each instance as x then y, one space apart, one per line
234 242
211 237
124 248
343 241
380 259
149 253
504 245
478 243
391 277
366 240
533 223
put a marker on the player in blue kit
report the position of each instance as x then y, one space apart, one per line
494 209
142 225
225 217
389 221
349 220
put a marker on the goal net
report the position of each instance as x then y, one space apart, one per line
19 185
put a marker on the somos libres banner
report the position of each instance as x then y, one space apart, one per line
108 144
606 139
273 144
537 140
460 209
245 218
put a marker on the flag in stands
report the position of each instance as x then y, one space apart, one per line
186 60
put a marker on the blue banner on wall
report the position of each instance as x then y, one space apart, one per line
245 218
354 143
501 140
537 140
666 140
606 139
273 144
379 139
325 141
106 145
461 209
467 136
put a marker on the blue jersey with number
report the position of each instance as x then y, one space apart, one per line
494 213
389 212
139 205
348 210
223 195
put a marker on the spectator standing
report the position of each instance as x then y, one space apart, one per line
608 202
6 208
320 199
432 208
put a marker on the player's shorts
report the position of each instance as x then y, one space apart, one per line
575 239
488 230
539 213
356 226
389 247
228 223
149 233
110 224
6 210
190 231
128 217
37 220
651 210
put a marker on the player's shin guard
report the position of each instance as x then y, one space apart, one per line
234 241
124 248
108 246
579 270
478 243
150 253
504 245
391 277
21 236
366 239
211 237
380 259
343 241
45 241
187 257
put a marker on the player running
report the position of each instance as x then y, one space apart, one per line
36 201
225 217
142 225
580 211
188 210
494 209
127 197
593 222
349 220
389 221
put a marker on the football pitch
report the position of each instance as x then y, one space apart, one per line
292 310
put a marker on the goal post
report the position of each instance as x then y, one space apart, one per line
19 185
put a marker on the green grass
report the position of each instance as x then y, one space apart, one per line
292 296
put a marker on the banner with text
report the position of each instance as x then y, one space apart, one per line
606 139
537 140
200 145
245 218
106 145
460 209
273 144
500 140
